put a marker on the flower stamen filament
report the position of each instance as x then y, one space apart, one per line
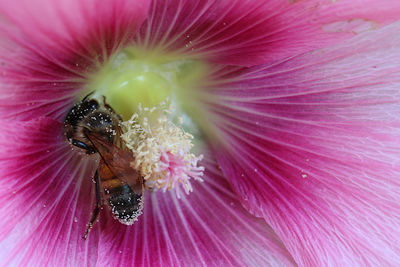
162 150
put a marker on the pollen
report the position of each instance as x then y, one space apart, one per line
162 149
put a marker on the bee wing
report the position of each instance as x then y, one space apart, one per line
117 160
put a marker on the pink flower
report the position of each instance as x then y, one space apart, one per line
300 113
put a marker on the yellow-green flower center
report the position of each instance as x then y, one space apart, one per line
134 76
162 147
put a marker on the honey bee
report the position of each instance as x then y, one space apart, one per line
95 127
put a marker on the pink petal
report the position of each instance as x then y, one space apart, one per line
47 196
48 49
60 24
207 228
254 32
311 144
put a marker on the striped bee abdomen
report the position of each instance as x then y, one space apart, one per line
125 205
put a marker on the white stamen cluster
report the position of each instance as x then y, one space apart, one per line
161 150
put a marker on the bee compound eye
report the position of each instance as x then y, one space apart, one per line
79 144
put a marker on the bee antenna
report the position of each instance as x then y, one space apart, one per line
86 97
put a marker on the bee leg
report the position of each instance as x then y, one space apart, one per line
106 104
99 204
111 109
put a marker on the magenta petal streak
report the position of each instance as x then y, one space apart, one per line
48 195
48 49
207 228
254 32
311 143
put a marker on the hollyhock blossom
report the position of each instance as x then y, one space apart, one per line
293 105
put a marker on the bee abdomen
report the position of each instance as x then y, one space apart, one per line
125 205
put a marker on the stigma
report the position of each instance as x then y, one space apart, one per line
162 149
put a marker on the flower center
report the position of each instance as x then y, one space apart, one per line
134 76
157 134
